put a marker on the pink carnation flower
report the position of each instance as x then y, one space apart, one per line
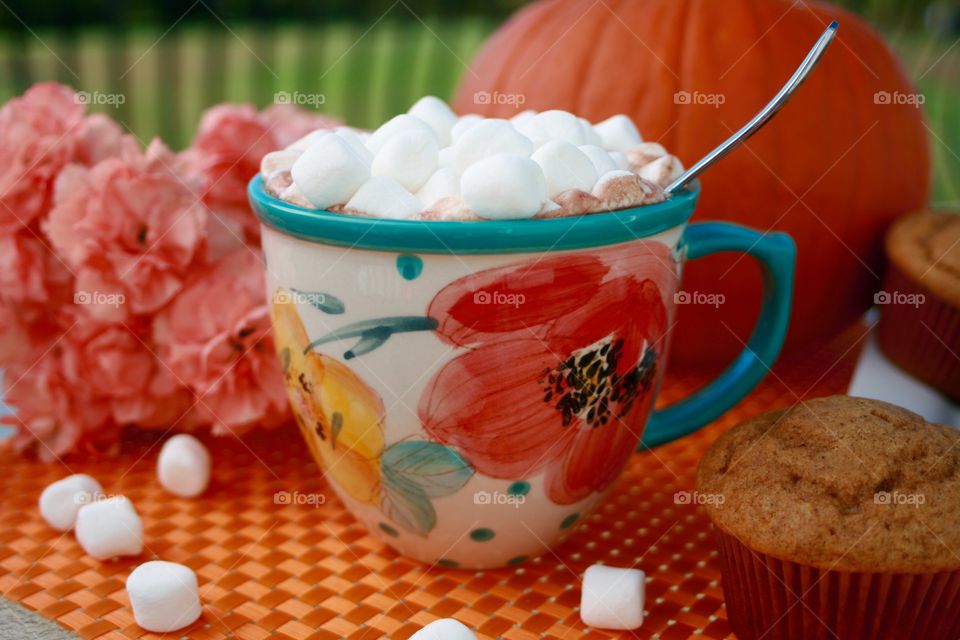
226 152
129 228
36 136
215 337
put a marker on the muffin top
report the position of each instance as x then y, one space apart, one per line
926 246
840 483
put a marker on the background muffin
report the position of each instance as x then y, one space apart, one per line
920 322
838 516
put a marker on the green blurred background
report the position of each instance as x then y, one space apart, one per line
368 60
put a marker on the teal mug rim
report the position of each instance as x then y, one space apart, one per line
489 237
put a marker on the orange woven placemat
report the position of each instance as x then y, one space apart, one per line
300 571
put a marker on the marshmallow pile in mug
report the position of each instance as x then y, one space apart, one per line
430 164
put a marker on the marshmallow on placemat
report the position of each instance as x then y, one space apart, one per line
393 126
61 500
444 629
437 114
504 186
565 167
618 133
384 197
662 171
183 466
109 528
329 172
444 183
164 596
409 157
488 138
612 598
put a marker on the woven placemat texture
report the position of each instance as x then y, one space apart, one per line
311 571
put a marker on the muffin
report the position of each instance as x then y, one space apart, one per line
920 320
837 518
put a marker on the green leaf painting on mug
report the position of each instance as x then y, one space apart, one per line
413 472
325 302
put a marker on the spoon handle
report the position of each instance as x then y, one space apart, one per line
764 115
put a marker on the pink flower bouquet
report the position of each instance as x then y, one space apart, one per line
131 282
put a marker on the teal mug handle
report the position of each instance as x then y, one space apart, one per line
777 254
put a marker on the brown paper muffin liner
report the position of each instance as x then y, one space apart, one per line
930 353
776 599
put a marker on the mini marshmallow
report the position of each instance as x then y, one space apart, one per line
554 125
565 167
488 138
504 186
575 202
329 172
61 500
590 136
183 466
409 157
620 159
393 126
612 598
278 161
443 183
109 528
444 629
644 153
445 158
277 183
437 114
464 124
618 133
522 118
356 141
304 143
164 596
293 195
385 197
620 189
662 171
449 209
602 161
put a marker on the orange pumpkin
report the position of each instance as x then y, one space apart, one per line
834 168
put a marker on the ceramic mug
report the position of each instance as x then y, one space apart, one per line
471 389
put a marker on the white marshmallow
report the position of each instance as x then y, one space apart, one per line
437 114
329 172
302 144
356 141
522 118
621 160
608 177
164 596
554 125
504 186
444 629
446 157
183 466
393 126
618 133
61 500
662 171
443 183
590 136
487 138
383 196
278 161
293 195
109 528
409 157
464 124
602 161
565 167
612 598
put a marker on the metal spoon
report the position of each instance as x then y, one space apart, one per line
765 114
